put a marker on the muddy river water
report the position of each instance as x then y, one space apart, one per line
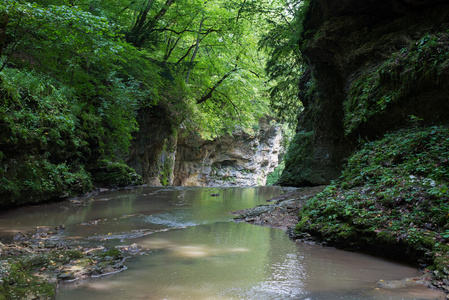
193 250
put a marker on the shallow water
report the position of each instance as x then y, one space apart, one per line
195 251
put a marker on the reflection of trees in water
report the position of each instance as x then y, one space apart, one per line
211 259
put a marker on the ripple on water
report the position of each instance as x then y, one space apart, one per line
177 219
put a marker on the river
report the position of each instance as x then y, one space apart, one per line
193 250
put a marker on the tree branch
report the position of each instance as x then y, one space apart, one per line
230 101
163 10
209 94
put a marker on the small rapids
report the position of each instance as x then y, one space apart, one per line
189 248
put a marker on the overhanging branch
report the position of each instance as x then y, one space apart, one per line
209 94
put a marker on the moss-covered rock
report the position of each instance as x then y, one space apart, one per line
392 199
114 174
32 268
17 283
376 67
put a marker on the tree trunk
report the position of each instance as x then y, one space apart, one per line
3 23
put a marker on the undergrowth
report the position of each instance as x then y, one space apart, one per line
392 197
424 60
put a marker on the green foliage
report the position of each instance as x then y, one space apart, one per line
412 152
298 152
285 64
37 179
392 192
74 77
40 144
274 176
114 173
83 53
407 69
35 108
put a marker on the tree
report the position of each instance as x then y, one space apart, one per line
285 64
85 53
209 50
199 59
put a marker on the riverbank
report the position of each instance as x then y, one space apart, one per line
391 201
32 265
281 212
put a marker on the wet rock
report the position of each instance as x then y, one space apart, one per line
282 214
76 202
131 249
19 237
404 283
66 276
43 229
108 269
60 227
134 248
91 223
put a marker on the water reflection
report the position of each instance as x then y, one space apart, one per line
239 261
193 250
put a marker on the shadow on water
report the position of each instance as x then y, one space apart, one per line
191 250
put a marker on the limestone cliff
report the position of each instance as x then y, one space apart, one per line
165 157
373 67
235 160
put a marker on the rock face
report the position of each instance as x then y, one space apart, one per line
153 146
237 160
373 66
163 158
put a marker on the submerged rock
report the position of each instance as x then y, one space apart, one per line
31 267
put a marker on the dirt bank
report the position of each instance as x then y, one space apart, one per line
281 212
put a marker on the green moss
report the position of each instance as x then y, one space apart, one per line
21 284
299 152
166 161
425 60
114 253
115 174
392 192
39 260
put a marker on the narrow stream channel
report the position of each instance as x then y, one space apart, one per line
193 250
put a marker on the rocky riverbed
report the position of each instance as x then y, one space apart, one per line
281 212
32 265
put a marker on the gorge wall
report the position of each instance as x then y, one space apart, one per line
152 145
168 157
234 160
373 66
